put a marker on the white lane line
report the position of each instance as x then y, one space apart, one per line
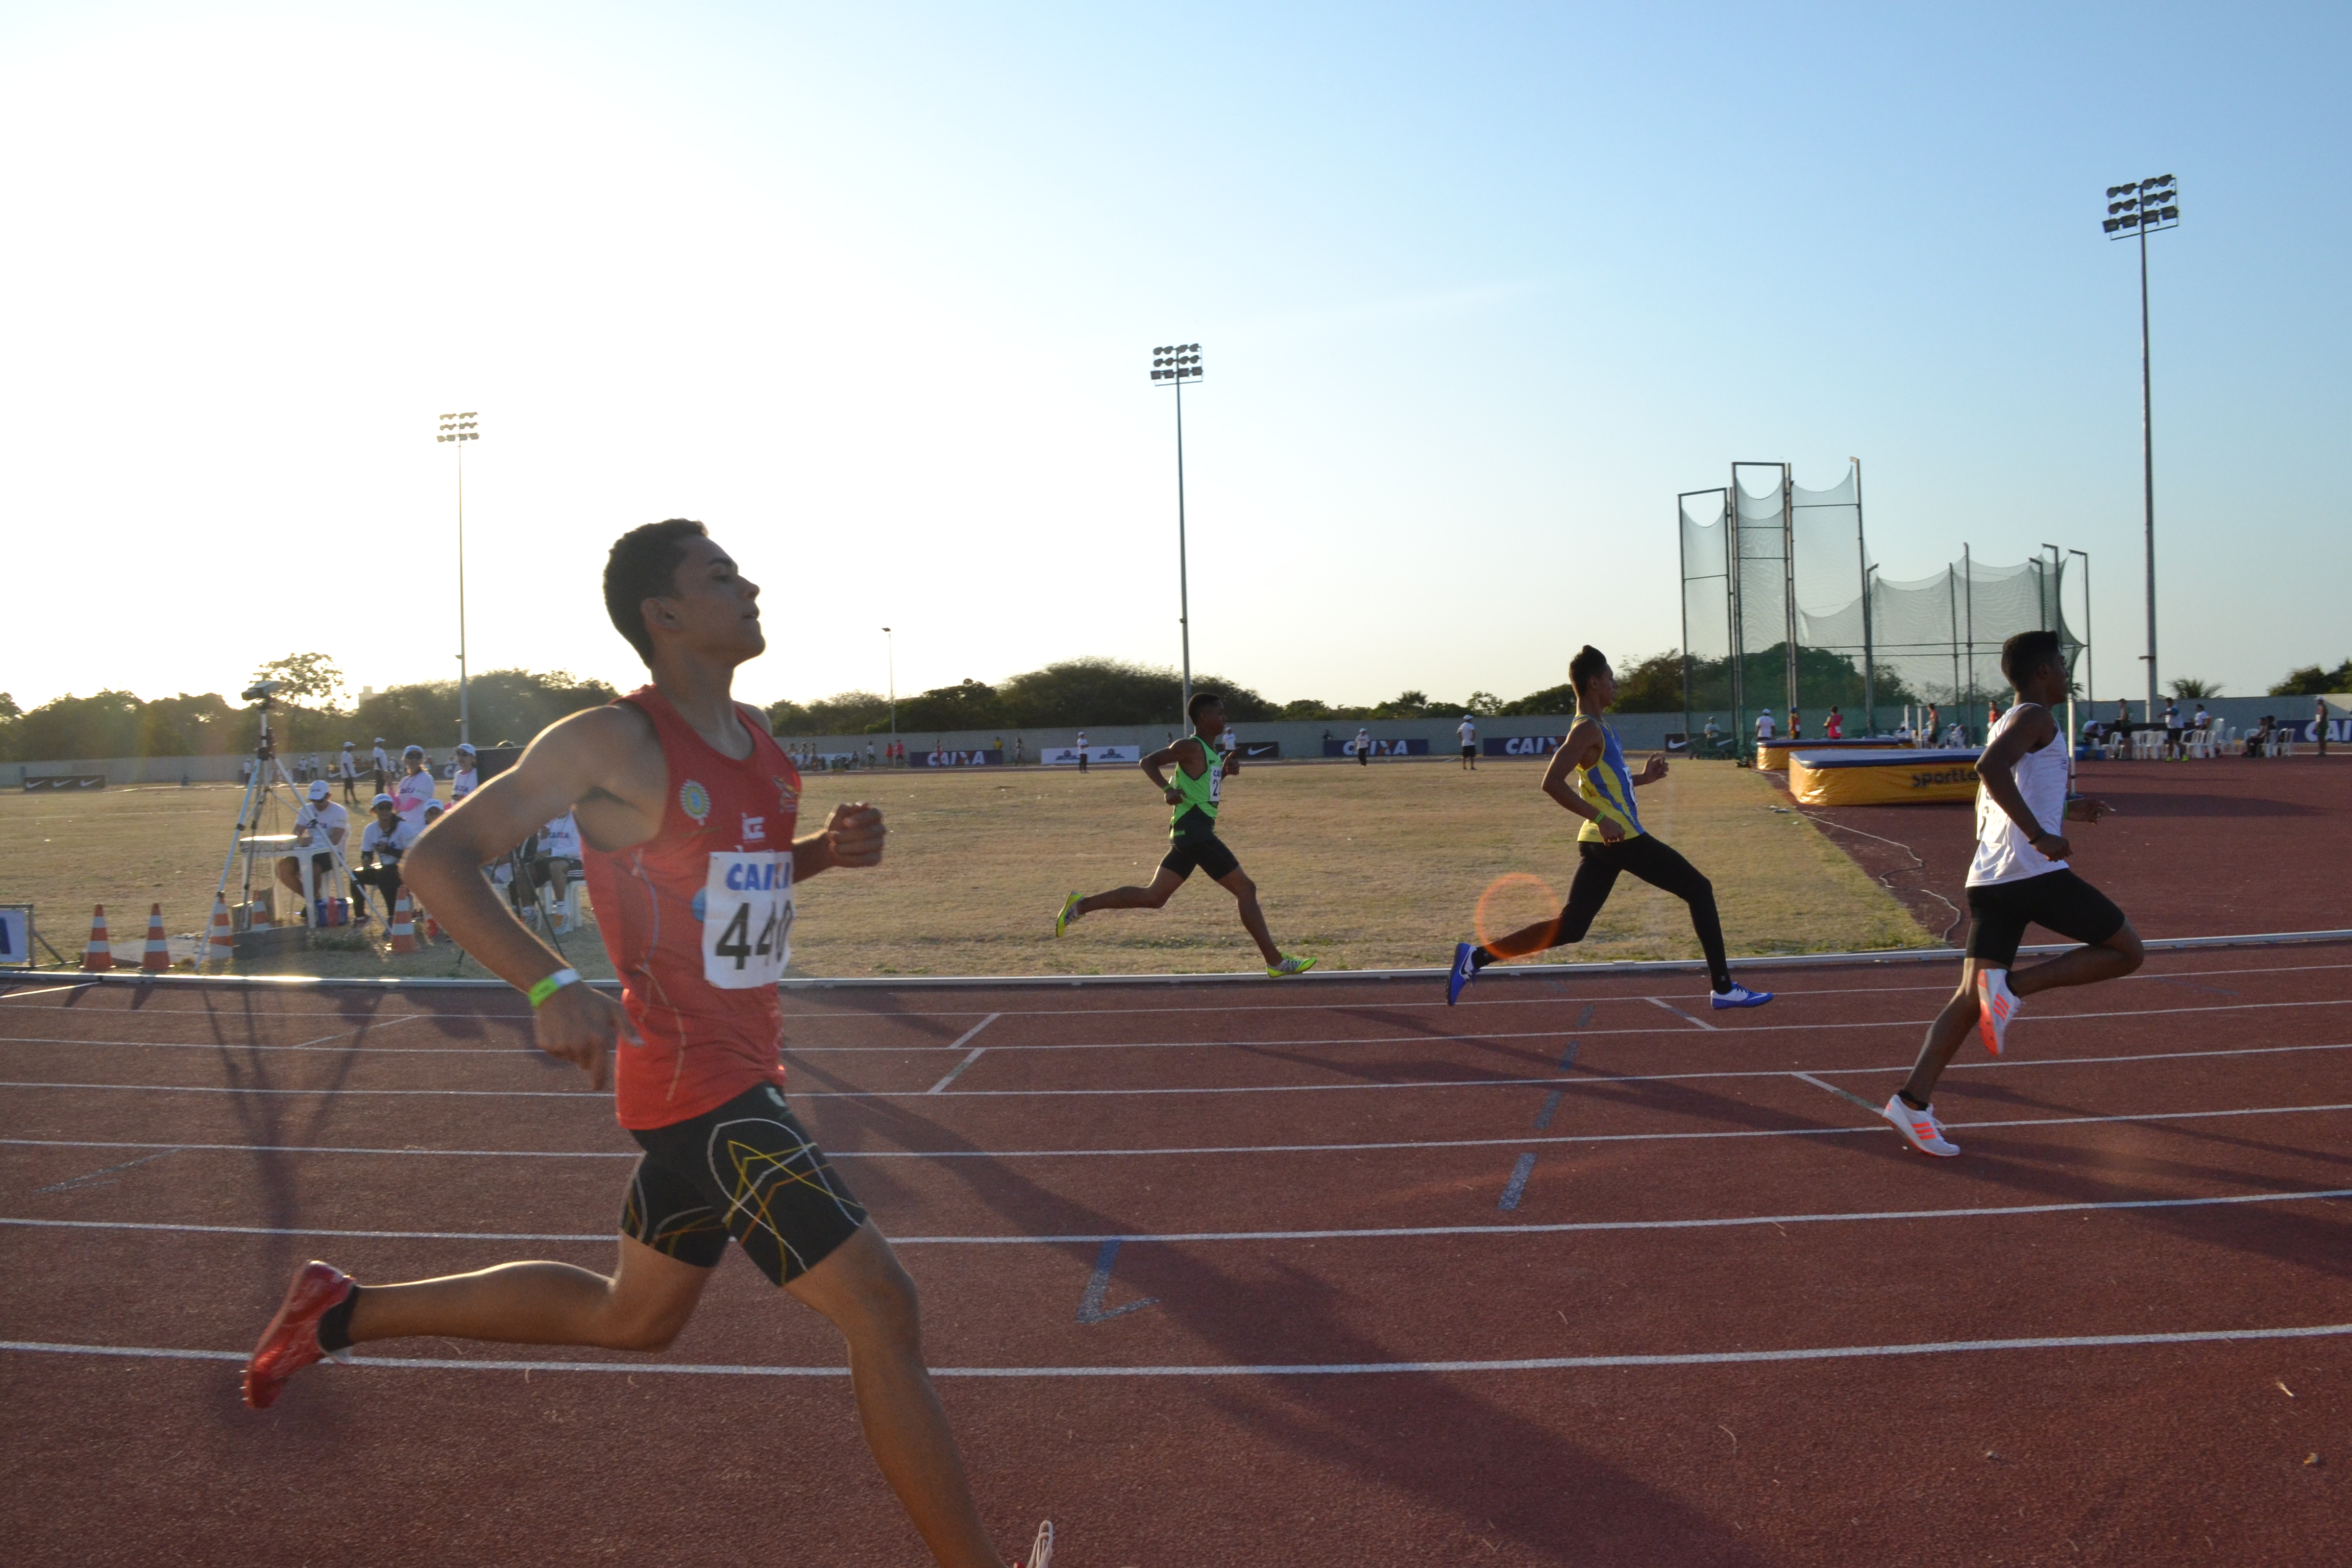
1295 1369
956 1071
92 1178
2040 1021
1589 1079
2154 1116
1841 1094
49 990
1678 1013
1363 1233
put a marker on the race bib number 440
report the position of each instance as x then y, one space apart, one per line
747 920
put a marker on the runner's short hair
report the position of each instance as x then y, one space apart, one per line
643 565
1589 662
2024 656
1201 699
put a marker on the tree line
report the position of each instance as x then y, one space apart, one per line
315 712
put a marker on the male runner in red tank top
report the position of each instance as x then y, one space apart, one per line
687 809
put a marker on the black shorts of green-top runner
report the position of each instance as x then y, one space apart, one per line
1193 793
1588 777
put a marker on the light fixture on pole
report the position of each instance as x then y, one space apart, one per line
890 653
2138 208
458 429
1174 365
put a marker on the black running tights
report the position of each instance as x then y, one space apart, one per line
1597 870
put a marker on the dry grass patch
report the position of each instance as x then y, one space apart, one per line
1362 868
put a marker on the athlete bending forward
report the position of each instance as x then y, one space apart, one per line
686 810
1588 777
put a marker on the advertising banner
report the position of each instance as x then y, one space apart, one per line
15 936
1259 751
63 781
1347 748
1523 745
989 758
1067 756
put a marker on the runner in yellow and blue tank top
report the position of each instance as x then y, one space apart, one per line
1588 778
1203 766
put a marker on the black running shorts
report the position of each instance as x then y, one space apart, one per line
1199 845
2061 902
746 1170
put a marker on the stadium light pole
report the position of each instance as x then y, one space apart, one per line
890 655
2056 615
458 429
1173 364
2090 643
2135 209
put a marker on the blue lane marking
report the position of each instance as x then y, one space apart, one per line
1090 1305
1551 1101
1518 1181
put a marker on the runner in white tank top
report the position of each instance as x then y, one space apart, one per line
2018 876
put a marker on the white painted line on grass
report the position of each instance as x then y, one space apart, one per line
1293 1369
956 1071
2150 1117
1361 1233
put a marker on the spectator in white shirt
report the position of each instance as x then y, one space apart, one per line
1363 744
415 787
320 826
1469 733
1082 751
383 764
1764 728
380 847
463 778
347 769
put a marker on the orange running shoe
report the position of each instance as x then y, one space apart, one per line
290 1342
1995 1005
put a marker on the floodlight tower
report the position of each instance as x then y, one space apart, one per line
890 654
1173 365
2136 209
458 429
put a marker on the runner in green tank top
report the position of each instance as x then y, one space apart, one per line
1202 767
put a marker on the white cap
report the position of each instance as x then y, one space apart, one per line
413 752
318 789
382 800
465 748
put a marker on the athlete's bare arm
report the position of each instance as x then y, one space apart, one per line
604 766
1581 748
1185 754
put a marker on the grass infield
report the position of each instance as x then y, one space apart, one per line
1360 867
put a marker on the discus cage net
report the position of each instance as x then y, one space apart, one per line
1783 608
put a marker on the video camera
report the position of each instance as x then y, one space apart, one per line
261 691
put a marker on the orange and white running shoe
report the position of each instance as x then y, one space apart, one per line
1919 1128
1995 1005
1041 1551
290 1342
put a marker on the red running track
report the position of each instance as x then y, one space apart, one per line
1149 1224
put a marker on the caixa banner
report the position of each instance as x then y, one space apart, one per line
1523 745
989 758
1347 748
1067 756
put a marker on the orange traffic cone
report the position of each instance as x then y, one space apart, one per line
221 944
157 959
403 926
100 953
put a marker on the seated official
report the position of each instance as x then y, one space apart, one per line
322 826
387 838
415 788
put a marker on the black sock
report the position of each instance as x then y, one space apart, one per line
335 1324
1479 958
1905 1095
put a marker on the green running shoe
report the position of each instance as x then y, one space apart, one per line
1289 967
1069 905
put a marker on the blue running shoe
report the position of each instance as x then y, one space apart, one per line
1464 971
1738 996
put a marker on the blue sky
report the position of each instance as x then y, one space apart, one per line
871 291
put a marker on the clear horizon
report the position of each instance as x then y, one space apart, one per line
873 294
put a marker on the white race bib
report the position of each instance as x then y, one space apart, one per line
747 919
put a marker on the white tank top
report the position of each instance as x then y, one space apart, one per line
2003 853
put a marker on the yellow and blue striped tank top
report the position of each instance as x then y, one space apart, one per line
1608 789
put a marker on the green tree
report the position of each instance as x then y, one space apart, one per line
2311 680
311 679
2188 686
8 709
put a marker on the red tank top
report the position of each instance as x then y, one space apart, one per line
698 920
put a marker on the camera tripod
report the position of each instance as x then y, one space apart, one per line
261 805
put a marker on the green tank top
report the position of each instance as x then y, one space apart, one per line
1197 794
